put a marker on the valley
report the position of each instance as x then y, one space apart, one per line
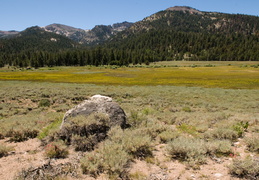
186 82
223 119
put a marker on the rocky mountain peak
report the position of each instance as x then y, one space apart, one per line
98 34
62 29
184 9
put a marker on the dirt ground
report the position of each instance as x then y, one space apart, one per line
31 154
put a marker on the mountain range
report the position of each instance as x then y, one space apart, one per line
203 22
173 34
99 33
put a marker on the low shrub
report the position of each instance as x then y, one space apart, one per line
134 142
168 135
4 150
135 119
84 133
219 147
202 127
22 135
110 158
152 128
247 168
56 150
92 163
188 149
240 128
44 103
82 143
209 65
255 66
61 171
138 175
253 143
221 133
1 136
186 109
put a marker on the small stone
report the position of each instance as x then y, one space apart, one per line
218 175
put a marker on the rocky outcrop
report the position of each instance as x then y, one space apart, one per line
96 35
98 104
88 123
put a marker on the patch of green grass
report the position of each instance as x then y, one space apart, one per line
218 76
186 109
50 128
185 128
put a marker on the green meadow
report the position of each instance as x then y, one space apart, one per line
231 75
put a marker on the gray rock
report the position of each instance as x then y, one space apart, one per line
98 104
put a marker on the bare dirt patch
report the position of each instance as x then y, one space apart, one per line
25 155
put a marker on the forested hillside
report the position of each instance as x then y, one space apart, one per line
28 47
179 33
191 35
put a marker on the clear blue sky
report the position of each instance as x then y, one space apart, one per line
85 14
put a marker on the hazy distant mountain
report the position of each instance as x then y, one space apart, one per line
96 35
36 39
4 34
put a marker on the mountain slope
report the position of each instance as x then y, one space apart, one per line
98 34
186 33
72 33
6 34
187 19
35 39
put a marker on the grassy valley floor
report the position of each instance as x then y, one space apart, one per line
216 126
175 73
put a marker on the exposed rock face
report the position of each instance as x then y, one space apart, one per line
98 104
96 35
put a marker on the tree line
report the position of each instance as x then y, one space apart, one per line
152 46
